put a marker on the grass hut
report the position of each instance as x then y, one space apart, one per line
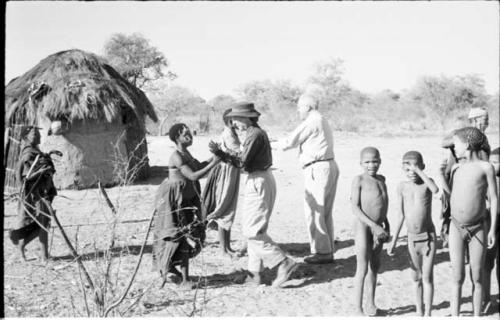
86 110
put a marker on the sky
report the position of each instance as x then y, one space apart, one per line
215 47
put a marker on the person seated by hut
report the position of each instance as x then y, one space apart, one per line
34 171
179 227
220 194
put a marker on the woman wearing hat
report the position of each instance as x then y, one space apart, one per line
259 196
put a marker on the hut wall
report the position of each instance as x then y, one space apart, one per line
137 147
92 152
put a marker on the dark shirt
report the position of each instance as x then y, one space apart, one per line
256 154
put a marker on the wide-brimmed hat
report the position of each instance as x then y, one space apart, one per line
243 109
477 112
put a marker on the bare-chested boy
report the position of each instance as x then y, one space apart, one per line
492 253
472 181
369 205
415 204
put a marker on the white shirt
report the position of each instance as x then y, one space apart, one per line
313 137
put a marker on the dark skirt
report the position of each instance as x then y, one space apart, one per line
179 231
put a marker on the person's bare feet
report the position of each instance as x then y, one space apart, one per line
253 279
285 270
358 312
187 285
371 310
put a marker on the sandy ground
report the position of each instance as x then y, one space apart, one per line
53 289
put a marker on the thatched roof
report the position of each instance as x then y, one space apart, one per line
76 85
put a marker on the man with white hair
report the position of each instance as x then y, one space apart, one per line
478 117
314 139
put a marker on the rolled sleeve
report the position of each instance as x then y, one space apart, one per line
297 137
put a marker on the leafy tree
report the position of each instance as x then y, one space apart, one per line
174 101
445 95
331 89
271 97
222 102
136 59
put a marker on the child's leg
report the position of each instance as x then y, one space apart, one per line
363 253
186 282
222 240
477 251
488 268
371 282
43 237
228 241
489 263
456 246
24 242
416 272
428 276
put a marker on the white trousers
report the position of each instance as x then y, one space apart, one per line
258 202
320 181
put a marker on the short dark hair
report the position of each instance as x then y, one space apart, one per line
496 151
175 131
371 150
415 155
472 136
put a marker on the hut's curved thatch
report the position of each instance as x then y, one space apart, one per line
98 114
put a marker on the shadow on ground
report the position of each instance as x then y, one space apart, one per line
115 252
346 268
303 249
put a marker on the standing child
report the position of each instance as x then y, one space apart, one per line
415 204
221 190
491 253
472 181
369 205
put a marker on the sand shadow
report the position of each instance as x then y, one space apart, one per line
303 249
346 268
115 252
412 309
218 280
401 258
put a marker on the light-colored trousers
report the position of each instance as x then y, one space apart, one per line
258 202
320 181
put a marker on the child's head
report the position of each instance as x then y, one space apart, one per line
412 159
180 134
495 160
370 160
227 120
468 139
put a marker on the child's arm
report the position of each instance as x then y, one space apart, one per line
492 192
444 181
356 207
428 181
401 216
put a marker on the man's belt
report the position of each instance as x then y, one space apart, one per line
313 162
